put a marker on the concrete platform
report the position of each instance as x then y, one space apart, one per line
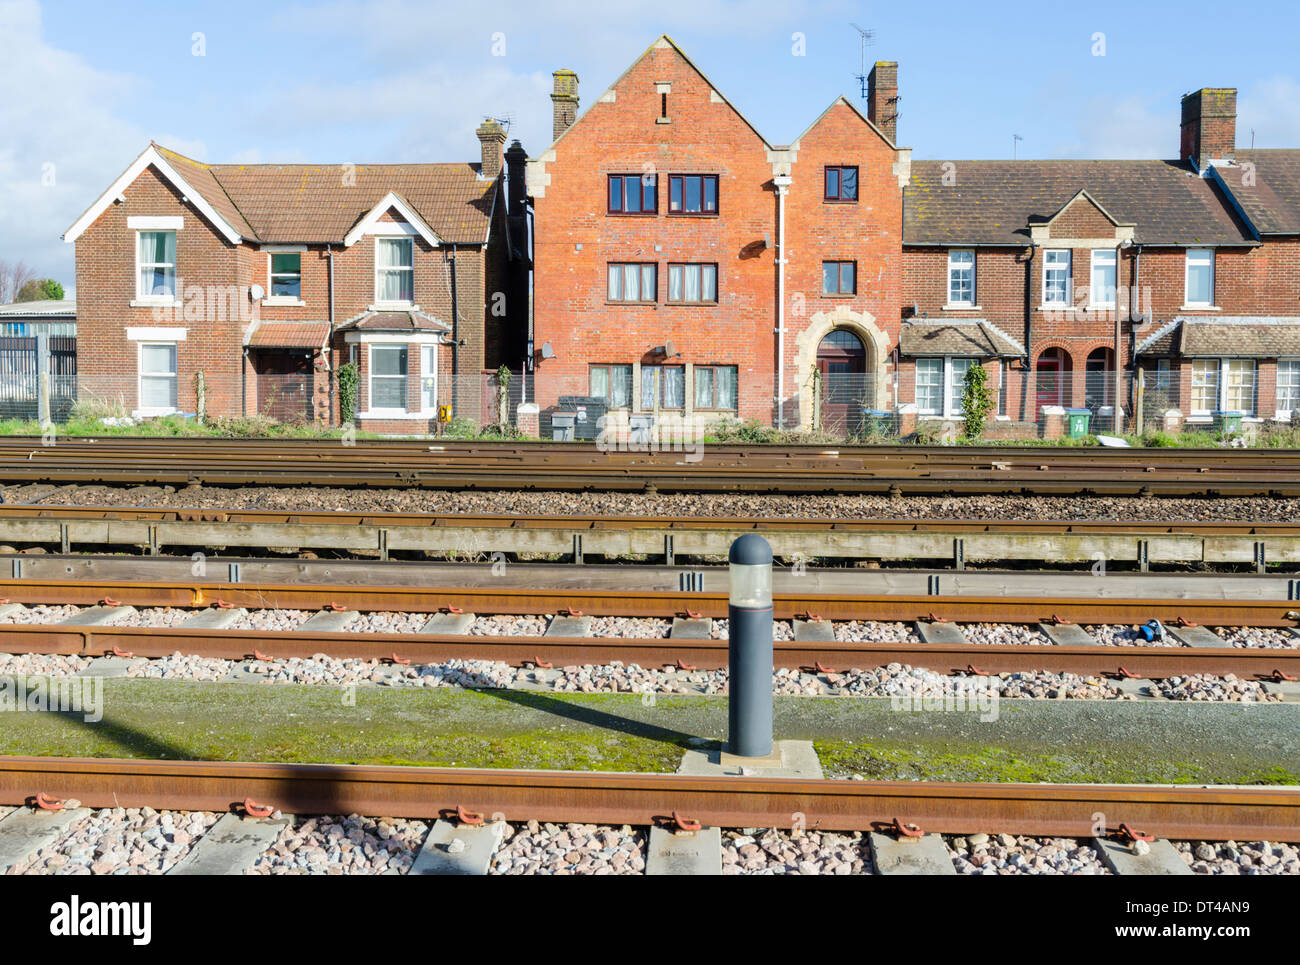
26 831
98 616
1138 687
945 632
910 856
790 759
814 631
214 618
1162 859
330 621
231 845
1068 635
458 849
688 628
688 853
109 666
1196 636
449 623
568 627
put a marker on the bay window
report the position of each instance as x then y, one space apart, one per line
388 371
941 385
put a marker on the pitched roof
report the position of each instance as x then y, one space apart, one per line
290 335
64 308
1233 336
967 336
321 203
1269 192
993 202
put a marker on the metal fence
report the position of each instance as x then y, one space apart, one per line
22 382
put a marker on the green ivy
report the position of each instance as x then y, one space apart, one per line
348 378
976 402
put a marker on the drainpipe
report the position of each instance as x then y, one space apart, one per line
1116 422
329 345
532 274
782 182
1135 303
1027 381
455 340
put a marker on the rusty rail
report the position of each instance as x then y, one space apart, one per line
1250 813
1147 662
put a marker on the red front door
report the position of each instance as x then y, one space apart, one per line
1049 382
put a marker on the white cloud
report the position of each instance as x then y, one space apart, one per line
1118 128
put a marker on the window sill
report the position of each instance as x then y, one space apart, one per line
692 214
962 308
633 214
839 200
839 295
631 304
392 414
1058 307
282 301
942 418
1199 308
693 304
169 302
393 307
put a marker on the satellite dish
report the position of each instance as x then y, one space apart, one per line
547 351
668 348
256 293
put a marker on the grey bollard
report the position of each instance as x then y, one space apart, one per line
749 648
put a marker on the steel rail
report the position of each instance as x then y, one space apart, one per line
1146 662
1183 812
654 603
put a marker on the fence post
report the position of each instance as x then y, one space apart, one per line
1140 401
200 396
43 380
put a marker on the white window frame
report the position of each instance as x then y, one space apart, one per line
410 240
1069 277
1223 366
148 298
972 303
1280 412
142 409
371 408
950 399
1208 253
290 300
1106 254
916 395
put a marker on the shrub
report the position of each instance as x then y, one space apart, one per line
348 378
976 401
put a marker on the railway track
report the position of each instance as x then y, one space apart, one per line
706 468
1206 813
381 535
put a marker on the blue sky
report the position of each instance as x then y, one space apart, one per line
397 80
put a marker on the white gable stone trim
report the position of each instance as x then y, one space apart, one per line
371 225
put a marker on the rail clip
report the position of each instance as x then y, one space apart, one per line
472 818
569 612
393 658
539 663
907 830
331 605
253 809
44 802
1130 836
1278 675
109 601
118 652
680 823
681 665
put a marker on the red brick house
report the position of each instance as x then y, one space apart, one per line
1063 278
687 269
265 278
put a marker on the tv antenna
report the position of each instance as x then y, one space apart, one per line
867 38
505 120
1015 142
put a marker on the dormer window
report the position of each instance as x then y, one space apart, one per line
394 271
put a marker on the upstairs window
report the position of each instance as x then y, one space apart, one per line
633 282
394 271
961 278
839 277
633 194
841 183
156 264
693 284
1198 290
693 194
286 275
1056 277
1103 278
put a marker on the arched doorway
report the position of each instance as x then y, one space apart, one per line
846 389
1052 374
1099 378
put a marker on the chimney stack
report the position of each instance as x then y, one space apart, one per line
516 160
882 97
1209 127
492 137
564 99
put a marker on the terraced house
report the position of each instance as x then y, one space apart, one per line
1065 278
258 281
